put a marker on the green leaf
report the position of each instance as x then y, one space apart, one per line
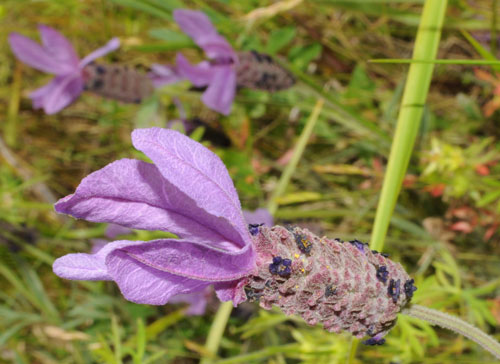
301 56
280 38
171 36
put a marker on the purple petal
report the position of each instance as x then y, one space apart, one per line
231 291
134 194
197 301
113 230
259 216
142 284
34 55
161 75
63 92
38 96
199 27
81 266
97 245
219 95
192 260
88 267
58 46
199 75
112 45
197 172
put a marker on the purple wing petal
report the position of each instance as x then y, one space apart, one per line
197 301
113 230
199 75
219 95
38 96
81 266
112 45
33 54
199 27
58 46
161 75
196 261
134 194
62 92
231 291
142 284
259 216
197 172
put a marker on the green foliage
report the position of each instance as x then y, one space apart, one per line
333 187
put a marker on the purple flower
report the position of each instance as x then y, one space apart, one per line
57 56
187 191
259 216
219 75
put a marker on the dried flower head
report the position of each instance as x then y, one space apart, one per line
56 55
342 285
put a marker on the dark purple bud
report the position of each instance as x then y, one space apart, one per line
254 228
409 288
303 243
382 274
394 289
359 245
330 291
373 341
385 255
280 266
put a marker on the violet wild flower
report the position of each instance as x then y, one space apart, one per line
227 69
218 75
57 56
188 192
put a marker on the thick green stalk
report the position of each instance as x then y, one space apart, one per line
220 320
455 324
410 115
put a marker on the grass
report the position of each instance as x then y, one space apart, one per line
333 188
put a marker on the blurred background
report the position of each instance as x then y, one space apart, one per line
445 230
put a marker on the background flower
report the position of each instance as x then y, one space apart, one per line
57 56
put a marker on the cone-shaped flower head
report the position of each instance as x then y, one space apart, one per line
57 56
342 285
187 191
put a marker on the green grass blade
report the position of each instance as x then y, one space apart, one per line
410 115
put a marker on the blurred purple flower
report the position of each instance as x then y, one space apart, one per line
197 301
187 191
259 216
57 56
219 74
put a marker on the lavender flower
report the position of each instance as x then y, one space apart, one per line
219 74
188 191
57 56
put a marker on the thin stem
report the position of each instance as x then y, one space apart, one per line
224 311
410 115
455 324
297 154
217 330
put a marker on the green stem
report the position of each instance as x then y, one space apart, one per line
297 154
455 324
217 330
220 320
410 115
